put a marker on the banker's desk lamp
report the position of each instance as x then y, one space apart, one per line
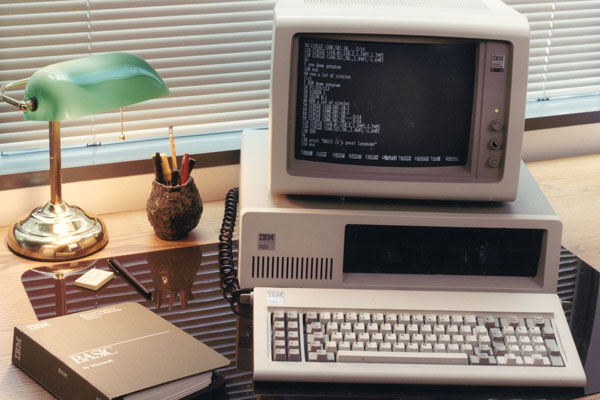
63 91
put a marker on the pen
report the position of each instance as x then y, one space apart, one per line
190 166
158 174
120 269
175 177
173 154
185 168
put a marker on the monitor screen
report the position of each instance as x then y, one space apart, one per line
384 103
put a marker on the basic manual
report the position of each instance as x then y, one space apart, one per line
120 351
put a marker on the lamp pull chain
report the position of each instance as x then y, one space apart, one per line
122 137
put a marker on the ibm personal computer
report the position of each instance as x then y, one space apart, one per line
388 228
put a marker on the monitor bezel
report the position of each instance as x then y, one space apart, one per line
461 173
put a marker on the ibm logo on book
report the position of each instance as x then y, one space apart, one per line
39 325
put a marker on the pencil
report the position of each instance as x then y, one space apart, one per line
173 154
166 170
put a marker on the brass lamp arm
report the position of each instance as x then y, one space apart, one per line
29 105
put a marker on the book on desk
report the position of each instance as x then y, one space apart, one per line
121 351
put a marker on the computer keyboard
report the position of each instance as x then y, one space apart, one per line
395 336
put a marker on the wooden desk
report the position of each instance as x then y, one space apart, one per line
572 186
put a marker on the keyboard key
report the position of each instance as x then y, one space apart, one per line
331 327
363 337
338 317
417 338
293 316
439 329
412 348
431 319
452 330
337 337
280 355
456 319
377 337
398 347
417 319
358 346
445 339
391 318
292 326
371 346
467 349
294 355
378 318
345 327
426 329
538 360
412 329
321 356
314 346
372 328
359 327
385 347
364 317
293 344
385 328
278 316
278 326
444 320
390 338
402 358
404 338
439 348
548 332
344 346
325 317
535 331
311 317
279 344
331 347
510 359
426 348
470 320
482 359
499 349
351 317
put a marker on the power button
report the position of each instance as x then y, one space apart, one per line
493 162
497 125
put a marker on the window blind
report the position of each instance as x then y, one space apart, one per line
565 47
214 55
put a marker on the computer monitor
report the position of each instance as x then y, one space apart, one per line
398 99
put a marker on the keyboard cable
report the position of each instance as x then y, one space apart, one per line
227 270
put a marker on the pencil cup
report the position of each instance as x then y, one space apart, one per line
173 211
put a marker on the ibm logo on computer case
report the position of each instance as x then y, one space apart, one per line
266 241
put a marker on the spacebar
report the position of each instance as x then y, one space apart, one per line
401 358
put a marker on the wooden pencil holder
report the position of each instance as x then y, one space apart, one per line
173 211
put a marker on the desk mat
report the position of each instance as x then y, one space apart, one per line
185 291
185 287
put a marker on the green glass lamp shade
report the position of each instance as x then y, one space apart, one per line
91 85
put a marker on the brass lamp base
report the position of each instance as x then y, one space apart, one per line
57 232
